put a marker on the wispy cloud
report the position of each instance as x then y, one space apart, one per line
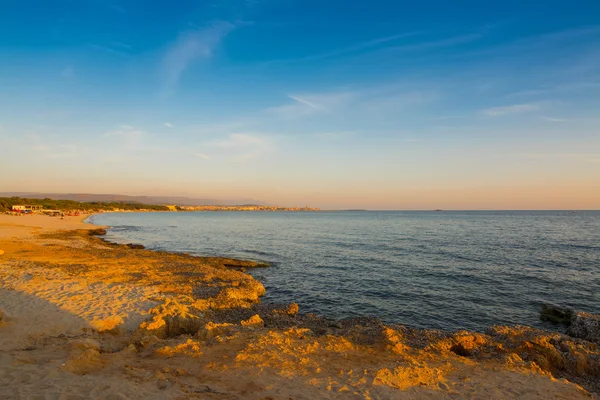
168 125
110 48
303 101
512 109
447 42
191 46
551 119
241 147
354 48
578 86
120 45
240 140
309 104
57 151
202 155
127 133
372 100
585 157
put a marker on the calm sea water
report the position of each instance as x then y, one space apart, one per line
445 270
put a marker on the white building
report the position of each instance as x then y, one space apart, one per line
26 208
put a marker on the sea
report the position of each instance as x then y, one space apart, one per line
446 270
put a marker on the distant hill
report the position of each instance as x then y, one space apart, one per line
87 197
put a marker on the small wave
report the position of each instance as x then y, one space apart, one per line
126 228
260 253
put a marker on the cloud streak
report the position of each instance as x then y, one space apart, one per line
191 46
448 42
311 103
358 47
130 135
551 119
509 110
240 147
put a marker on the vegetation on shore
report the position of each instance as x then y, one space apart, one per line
6 204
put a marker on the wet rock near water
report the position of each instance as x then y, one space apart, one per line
135 246
585 326
96 232
236 264
556 315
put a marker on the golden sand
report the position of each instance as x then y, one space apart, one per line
84 319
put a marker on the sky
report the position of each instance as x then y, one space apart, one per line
379 104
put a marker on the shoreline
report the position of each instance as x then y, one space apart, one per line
147 311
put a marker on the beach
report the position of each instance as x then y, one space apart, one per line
87 319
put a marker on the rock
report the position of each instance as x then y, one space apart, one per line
84 344
181 372
585 326
135 246
1 252
149 340
83 362
211 330
254 321
293 309
84 357
159 375
131 349
97 232
556 315
111 324
172 319
466 344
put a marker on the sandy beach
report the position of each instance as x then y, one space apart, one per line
86 319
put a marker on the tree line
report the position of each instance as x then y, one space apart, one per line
6 204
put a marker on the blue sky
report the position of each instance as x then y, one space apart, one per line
378 104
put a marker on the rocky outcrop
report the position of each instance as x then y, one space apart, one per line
84 357
172 318
585 326
135 246
253 321
556 315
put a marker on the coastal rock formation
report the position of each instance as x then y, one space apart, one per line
172 318
556 315
84 357
293 309
184 327
212 330
585 326
553 353
254 321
